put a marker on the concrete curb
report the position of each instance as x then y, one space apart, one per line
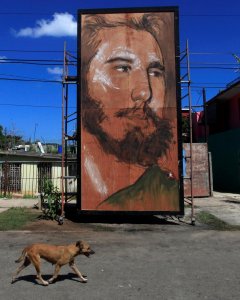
8 203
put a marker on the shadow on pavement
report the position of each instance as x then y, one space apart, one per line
116 218
32 278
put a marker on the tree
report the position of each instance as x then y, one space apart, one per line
185 129
2 138
8 140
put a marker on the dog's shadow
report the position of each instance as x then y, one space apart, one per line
34 280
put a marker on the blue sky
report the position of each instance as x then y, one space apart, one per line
32 30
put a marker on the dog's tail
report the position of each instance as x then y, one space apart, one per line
22 257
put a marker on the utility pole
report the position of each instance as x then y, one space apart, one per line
35 129
205 114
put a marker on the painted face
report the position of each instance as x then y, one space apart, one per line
126 78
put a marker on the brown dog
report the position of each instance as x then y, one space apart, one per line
57 255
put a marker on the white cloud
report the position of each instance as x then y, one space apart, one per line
62 24
55 71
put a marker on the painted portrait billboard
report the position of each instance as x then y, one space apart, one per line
128 96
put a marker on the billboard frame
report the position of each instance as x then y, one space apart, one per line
171 9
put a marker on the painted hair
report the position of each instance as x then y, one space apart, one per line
157 24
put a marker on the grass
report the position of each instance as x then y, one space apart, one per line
8 195
27 196
214 223
16 218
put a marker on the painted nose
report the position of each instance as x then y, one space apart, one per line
141 92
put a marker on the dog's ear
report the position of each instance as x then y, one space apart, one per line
79 244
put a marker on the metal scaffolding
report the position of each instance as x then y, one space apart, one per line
72 117
67 136
186 85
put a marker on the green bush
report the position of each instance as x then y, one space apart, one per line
51 200
8 195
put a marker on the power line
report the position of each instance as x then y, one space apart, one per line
38 62
60 82
30 60
220 66
213 67
35 51
34 63
24 13
74 51
210 15
30 80
21 77
193 82
29 105
33 106
211 63
213 53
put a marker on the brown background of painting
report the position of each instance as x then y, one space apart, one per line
124 173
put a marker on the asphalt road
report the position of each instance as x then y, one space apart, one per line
132 261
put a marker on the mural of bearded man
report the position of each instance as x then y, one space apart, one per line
129 157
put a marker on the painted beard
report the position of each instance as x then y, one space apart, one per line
135 147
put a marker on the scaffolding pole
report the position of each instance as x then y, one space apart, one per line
186 82
63 130
66 119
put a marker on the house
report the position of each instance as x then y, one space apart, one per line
24 173
223 119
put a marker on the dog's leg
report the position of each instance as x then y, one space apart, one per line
36 262
55 274
20 268
75 269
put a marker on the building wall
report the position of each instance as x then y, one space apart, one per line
29 179
234 119
225 149
56 176
201 171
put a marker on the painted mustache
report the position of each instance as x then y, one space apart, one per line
132 113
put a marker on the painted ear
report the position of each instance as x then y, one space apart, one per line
79 244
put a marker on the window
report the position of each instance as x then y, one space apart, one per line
10 177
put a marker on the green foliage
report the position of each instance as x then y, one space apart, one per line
15 218
8 195
51 200
185 129
1 137
29 196
9 140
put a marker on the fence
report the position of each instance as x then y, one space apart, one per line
27 178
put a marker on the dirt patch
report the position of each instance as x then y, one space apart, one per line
84 223
52 225
98 223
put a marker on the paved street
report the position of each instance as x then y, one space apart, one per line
168 261
132 261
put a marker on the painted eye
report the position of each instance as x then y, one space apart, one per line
155 72
123 69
